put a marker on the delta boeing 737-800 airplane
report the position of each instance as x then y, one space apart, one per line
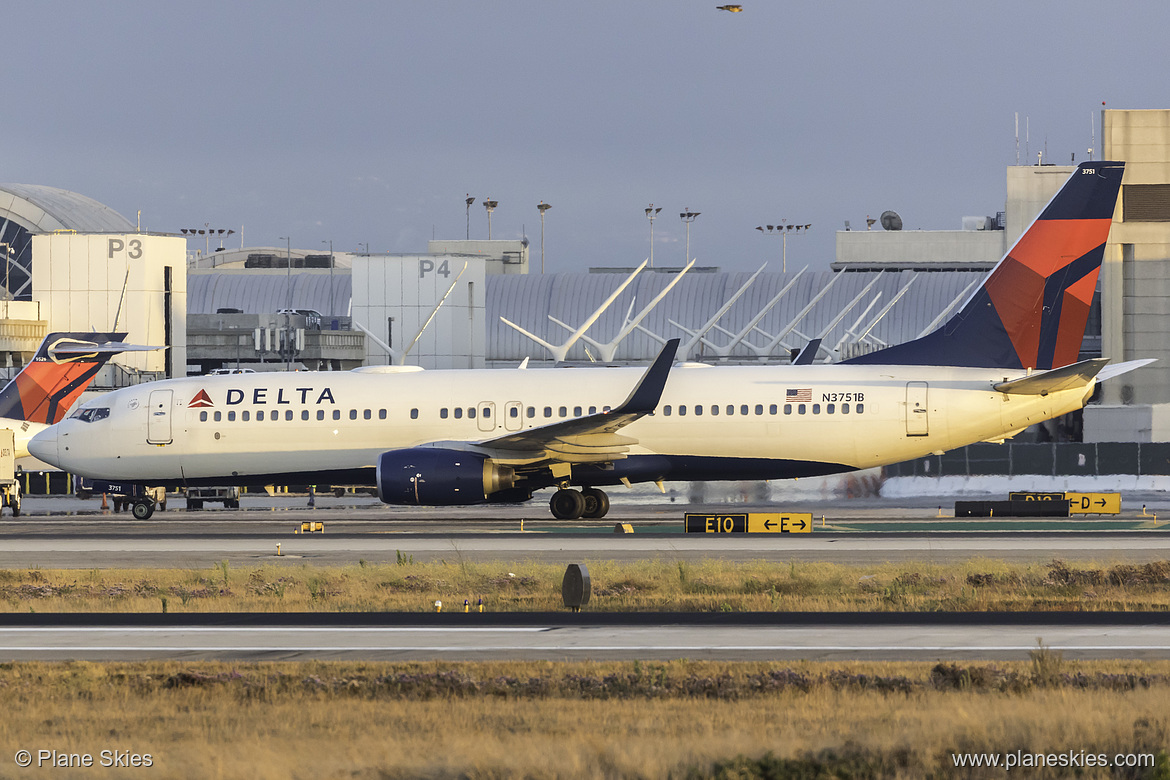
1007 360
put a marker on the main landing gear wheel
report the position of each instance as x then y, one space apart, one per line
142 510
596 503
567 504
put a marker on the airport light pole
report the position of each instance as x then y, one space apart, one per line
287 346
330 276
651 213
782 230
207 232
688 217
543 207
470 200
490 205
7 265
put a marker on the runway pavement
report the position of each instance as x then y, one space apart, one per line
558 639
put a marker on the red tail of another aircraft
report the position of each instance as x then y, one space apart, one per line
63 367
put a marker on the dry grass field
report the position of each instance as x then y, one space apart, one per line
658 585
613 720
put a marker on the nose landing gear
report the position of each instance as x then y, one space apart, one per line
569 504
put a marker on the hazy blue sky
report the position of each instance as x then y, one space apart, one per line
369 122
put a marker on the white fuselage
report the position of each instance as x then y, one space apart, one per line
839 416
23 431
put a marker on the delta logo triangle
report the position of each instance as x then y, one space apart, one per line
201 399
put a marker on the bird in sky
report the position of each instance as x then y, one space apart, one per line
732 8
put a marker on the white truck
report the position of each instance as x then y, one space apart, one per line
9 484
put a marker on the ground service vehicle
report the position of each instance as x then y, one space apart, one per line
197 496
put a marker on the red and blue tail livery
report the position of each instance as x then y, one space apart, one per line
1032 309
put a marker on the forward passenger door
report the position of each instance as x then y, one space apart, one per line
158 421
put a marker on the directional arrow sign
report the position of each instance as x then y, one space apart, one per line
1094 503
779 522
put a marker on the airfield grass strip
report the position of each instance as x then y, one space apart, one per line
649 585
683 719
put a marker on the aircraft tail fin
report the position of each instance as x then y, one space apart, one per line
1031 310
64 366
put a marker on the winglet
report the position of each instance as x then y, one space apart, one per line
806 355
644 398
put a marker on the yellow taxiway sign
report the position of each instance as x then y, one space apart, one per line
750 523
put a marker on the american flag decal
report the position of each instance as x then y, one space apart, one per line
798 395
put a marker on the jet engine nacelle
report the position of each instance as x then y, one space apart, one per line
427 476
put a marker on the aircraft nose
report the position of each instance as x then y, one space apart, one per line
43 446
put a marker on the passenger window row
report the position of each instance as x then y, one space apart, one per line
745 410
458 412
288 414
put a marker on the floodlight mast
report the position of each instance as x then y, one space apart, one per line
651 213
782 230
288 309
688 217
490 205
542 207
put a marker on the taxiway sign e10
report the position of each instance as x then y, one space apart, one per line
750 523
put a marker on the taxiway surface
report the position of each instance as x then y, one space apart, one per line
68 533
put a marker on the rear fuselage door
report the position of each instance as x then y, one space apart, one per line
917 417
158 423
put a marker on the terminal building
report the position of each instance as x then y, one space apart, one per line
74 264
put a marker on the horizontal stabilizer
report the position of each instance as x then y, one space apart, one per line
74 348
1118 369
1045 382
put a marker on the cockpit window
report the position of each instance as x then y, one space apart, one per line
93 414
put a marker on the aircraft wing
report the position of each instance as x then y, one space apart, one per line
593 438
